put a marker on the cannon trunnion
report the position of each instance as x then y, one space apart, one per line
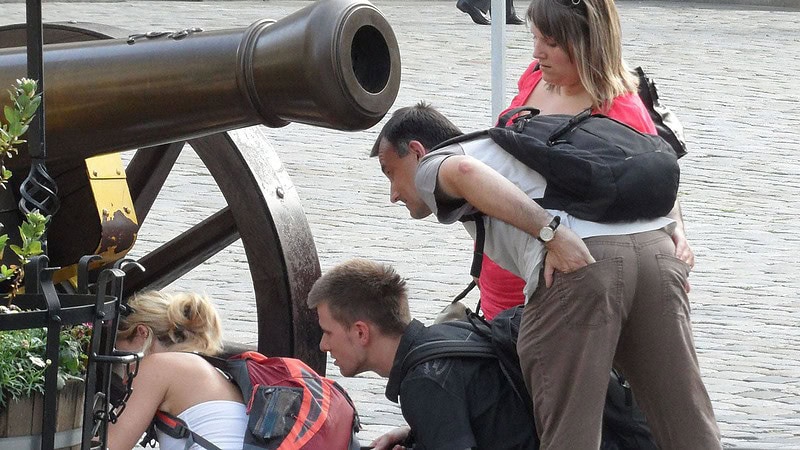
334 64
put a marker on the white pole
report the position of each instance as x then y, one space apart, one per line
498 58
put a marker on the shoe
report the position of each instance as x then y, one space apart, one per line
514 19
511 14
474 12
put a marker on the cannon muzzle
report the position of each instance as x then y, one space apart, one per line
334 64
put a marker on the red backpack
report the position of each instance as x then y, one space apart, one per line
290 407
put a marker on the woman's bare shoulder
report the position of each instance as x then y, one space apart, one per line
187 379
175 361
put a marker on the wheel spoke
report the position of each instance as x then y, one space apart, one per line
177 257
276 238
147 171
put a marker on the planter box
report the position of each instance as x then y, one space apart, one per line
21 421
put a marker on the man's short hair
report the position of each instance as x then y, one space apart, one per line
360 289
420 122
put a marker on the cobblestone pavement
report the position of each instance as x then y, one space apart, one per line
730 74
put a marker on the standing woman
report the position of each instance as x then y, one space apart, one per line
577 65
182 384
568 81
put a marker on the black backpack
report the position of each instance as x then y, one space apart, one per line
624 425
596 168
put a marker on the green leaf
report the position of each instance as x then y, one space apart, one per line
34 248
15 128
7 273
29 109
27 229
11 114
27 85
37 220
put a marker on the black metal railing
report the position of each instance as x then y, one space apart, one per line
44 307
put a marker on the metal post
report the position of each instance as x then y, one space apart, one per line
36 148
498 58
38 190
33 12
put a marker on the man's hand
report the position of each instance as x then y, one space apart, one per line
565 253
390 440
683 251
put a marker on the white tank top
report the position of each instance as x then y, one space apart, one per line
221 422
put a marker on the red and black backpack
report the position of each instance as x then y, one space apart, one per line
290 407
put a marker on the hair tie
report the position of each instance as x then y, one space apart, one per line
180 333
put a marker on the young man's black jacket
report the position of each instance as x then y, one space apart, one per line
457 403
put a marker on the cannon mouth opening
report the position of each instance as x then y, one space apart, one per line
371 60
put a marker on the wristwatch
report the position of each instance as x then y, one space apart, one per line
546 234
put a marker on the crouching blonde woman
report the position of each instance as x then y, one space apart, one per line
164 327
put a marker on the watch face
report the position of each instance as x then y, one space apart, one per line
546 234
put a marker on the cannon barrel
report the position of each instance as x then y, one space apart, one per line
334 63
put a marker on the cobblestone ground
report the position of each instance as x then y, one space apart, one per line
730 74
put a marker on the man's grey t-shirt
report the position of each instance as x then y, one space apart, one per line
508 246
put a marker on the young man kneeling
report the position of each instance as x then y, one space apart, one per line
449 403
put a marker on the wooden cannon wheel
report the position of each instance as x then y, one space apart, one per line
263 209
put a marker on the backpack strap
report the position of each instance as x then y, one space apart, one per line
446 349
514 114
667 124
150 439
175 427
464 293
221 364
569 125
480 240
460 349
458 139
477 255
356 418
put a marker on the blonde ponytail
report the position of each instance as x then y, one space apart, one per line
183 321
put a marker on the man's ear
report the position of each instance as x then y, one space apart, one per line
416 148
362 331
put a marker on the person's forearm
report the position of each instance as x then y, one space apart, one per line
464 177
677 215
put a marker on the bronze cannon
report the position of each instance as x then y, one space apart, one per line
333 64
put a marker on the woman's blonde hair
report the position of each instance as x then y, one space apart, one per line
591 34
183 321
